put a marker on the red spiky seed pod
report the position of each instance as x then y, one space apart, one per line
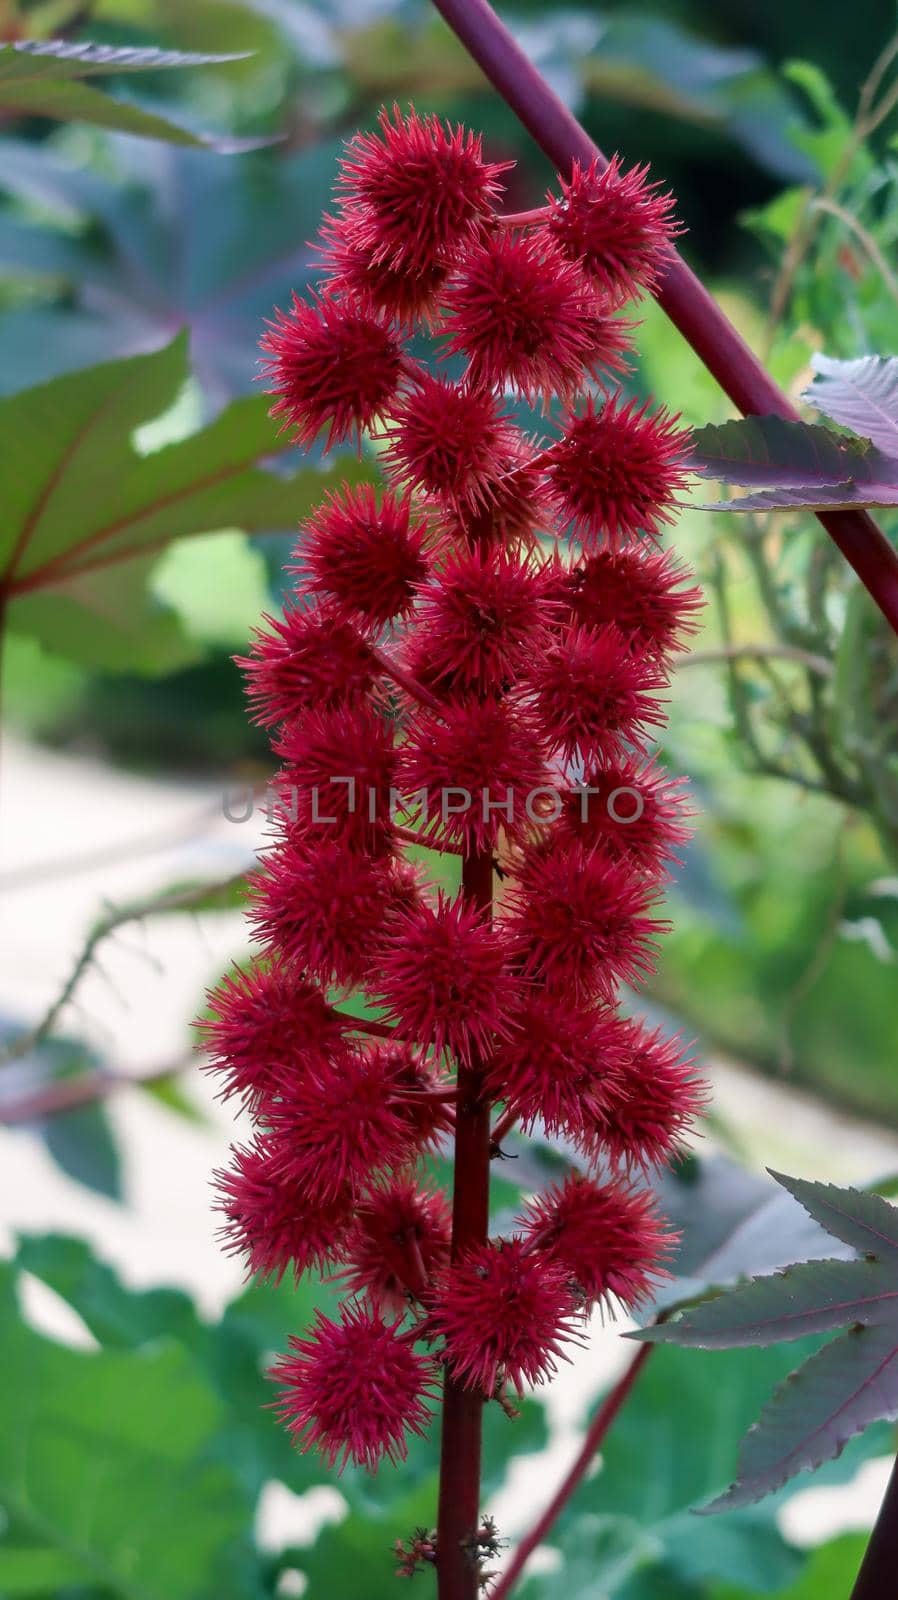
654 1098
272 1223
265 1018
367 559
305 659
616 225
332 367
324 908
337 1126
554 1067
593 697
443 978
607 1238
421 190
355 1390
400 1238
372 282
505 1314
631 811
417 1087
580 923
526 317
478 764
645 593
449 441
338 774
479 624
616 472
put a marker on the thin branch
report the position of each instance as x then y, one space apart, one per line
70 1094
181 900
833 209
596 1432
404 679
759 652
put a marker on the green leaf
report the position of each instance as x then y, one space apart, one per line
105 1457
860 395
35 1570
82 1144
80 500
41 78
117 1317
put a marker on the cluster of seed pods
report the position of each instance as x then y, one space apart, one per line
473 834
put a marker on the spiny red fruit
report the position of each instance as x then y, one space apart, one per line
654 1097
304 659
336 1126
415 1086
266 1019
505 1314
443 978
367 559
593 696
527 317
616 472
401 1235
580 923
324 908
643 592
272 1223
632 812
420 190
616 225
554 1067
332 367
372 282
355 1389
607 1238
480 767
480 624
449 441
339 769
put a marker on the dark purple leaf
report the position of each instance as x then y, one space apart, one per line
861 395
811 1416
793 465
865 1221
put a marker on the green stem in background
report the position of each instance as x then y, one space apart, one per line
680 293
458 1516
596 1432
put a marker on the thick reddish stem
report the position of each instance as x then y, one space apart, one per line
459 1505
876 1579
679 292
598 1428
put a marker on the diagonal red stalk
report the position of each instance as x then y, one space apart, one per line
596 1432
459 1504
876 1578
680 293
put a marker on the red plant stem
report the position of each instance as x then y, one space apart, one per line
458 1515
377 1030
679 292
404 679
503 1128
876 1579
598 1428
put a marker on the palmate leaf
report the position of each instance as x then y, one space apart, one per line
860 395
79 500
794 465
43 78
842 1388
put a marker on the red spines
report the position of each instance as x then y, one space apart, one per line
332 367
607 1238
355 1389
433 649
504 1314
616 225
